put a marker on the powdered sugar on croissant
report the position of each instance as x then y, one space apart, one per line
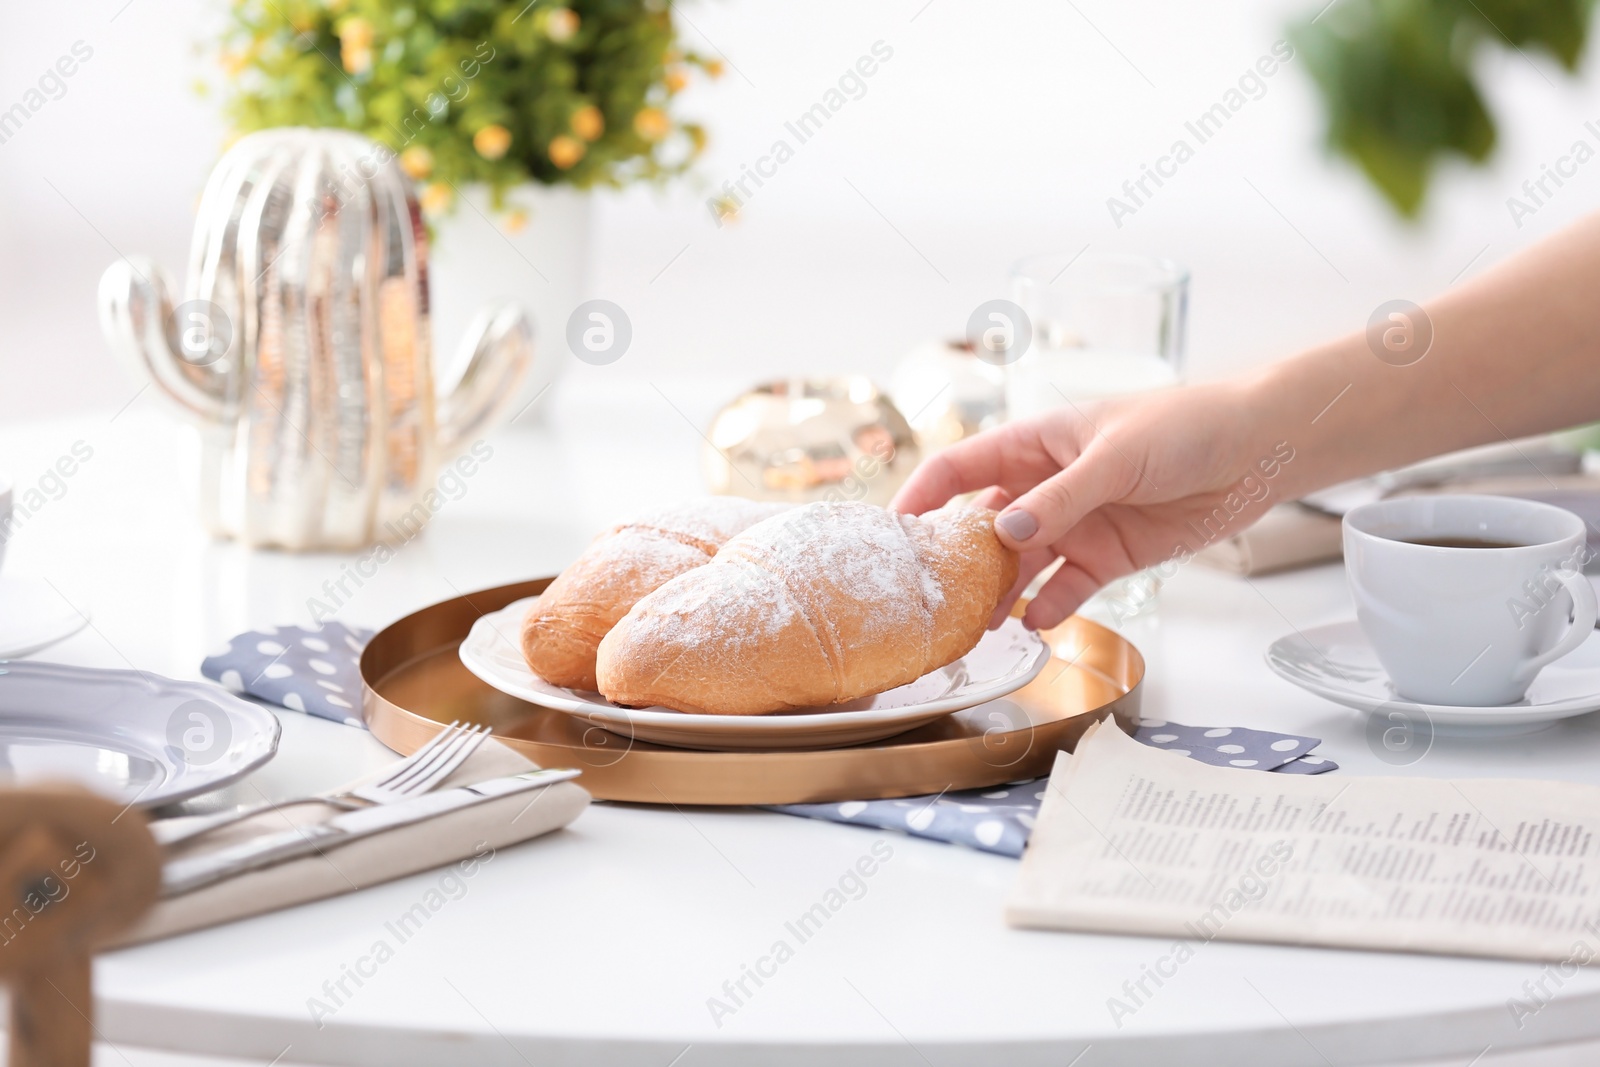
562 632
822 604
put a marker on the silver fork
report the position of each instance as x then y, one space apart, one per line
414 775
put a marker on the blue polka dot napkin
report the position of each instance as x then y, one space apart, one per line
1223 746
309 670
314 670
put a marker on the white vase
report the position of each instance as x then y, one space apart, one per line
544 267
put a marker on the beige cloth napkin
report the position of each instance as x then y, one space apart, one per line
463 836
1287 536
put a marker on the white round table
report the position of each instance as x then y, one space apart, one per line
606 943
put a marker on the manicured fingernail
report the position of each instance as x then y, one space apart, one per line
1017 524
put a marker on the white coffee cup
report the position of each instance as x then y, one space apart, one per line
1468 626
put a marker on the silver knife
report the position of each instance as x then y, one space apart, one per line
193 872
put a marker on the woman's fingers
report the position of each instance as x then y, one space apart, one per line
1096 552
1045 513
945 475
1063 594
995 457
1028 568
994 498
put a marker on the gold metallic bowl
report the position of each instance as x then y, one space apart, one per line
414 683
803 439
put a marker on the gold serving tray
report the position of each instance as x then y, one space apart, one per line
413 683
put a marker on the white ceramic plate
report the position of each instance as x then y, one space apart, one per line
131 735
1004 661
1337 662
34 616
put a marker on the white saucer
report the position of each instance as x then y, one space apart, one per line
1336 661
34 616
1004 661
131 735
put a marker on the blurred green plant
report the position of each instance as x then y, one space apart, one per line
491 91
1399 83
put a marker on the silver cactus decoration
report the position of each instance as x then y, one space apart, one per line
302 347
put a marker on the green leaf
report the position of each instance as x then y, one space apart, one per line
1399 84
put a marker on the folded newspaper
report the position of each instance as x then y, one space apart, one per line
1134 840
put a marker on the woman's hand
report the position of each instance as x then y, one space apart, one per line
1110 488
1119 486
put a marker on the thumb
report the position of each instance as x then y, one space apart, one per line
1043 514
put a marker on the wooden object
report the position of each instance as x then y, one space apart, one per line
75 868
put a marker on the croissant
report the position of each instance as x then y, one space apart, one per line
820 605
563 630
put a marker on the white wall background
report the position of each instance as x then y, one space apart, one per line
999 128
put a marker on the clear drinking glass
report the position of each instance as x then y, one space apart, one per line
1100 326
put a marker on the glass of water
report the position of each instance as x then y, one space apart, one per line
1098 327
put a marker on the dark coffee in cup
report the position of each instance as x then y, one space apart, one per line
1459 542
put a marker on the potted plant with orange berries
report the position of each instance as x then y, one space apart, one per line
505 112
